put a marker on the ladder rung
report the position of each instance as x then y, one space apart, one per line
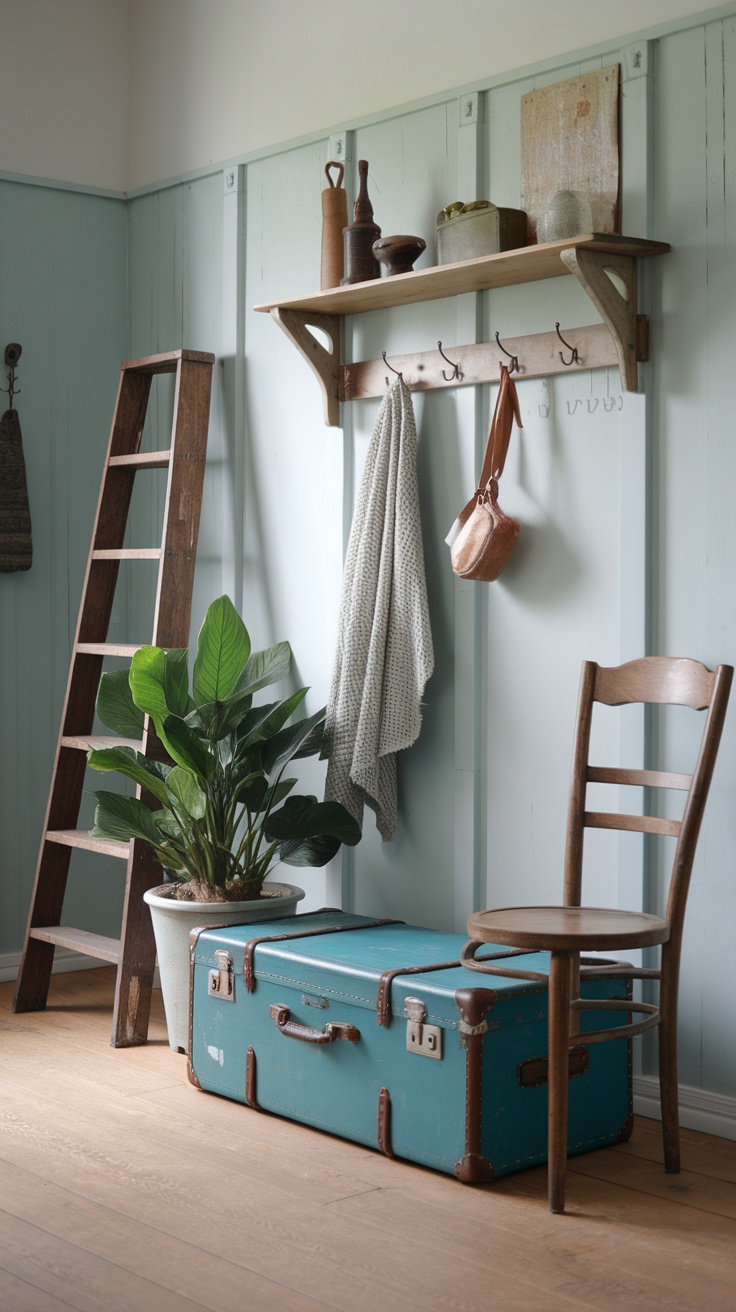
108 648
166 362
142 460
127 553
81 838
83 744
79 940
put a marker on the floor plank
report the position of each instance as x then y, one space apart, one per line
124 1189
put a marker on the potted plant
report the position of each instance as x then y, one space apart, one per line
223 814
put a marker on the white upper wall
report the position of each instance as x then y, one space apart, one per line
64 90
123 93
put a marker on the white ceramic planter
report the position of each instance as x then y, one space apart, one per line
172 922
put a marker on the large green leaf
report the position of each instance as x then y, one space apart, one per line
265 667
258 796
315 851
290 742
185 788
301 818
115 705
132 764
217 720
186 748
223 648
148 684
176 681
312 744
281 712
123 818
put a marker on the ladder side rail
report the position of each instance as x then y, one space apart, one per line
190 422
170 629
62 810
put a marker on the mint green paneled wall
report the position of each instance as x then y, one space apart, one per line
176 280
628 532
63 297
602 482
694 596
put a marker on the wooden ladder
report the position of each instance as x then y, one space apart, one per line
134 953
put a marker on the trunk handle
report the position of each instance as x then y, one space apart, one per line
292 1030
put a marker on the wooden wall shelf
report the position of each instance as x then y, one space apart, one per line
605 266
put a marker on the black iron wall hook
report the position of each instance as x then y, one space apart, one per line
574 358
455 367
12 356
514 359
390 366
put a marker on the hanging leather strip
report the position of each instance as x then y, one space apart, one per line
384 1123
388 976
474 1005
383 1004
250 1080
249 974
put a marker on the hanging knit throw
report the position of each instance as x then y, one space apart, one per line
16 549
384 649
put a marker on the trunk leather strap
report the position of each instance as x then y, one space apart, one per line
249 972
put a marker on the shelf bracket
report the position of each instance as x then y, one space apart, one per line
325 362
615 303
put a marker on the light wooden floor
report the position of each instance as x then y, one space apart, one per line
124 1188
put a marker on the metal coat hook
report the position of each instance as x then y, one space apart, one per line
390 366
12 355
455 367
514 359
574 358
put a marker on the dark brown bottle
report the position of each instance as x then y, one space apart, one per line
360 262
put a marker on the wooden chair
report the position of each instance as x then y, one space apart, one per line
568 930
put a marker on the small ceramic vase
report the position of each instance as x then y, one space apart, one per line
397 254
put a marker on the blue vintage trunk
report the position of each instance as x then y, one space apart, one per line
477 1110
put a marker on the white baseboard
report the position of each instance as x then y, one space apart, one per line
64 960
712 1113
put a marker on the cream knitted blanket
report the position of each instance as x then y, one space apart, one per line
384 645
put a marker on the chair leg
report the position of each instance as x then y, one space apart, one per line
560 993
668 1085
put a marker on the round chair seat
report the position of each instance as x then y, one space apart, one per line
567 928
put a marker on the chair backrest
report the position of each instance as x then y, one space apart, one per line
653 680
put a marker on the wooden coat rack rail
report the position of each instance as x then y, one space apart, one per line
605 266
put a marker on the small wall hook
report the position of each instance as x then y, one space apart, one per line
455 367
12 355
390 366
574 357
514 359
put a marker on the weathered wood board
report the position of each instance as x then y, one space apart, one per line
569 141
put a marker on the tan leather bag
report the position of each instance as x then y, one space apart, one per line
482 536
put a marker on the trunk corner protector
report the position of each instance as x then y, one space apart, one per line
627 1129
191 1076
474 1169
474 1005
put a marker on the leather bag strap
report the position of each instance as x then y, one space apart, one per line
507 409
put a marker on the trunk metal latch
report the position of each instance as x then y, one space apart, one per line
221 982
426 1040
